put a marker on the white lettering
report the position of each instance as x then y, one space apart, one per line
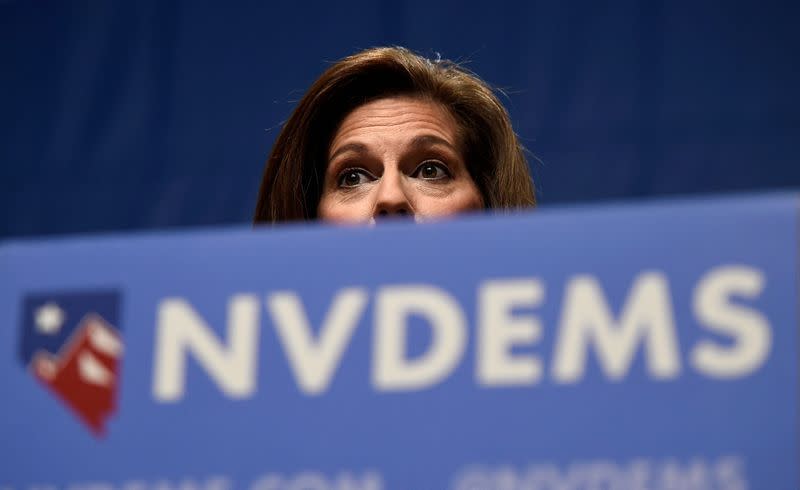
181 331
311 480
499 331
750 330
725 473
730 473
646 316
391 369
314 363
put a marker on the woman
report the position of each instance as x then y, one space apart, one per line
386 133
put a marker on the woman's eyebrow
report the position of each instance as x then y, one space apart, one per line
354 147
426 140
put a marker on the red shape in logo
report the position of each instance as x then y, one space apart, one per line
85 373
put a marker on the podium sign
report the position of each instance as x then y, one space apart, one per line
625 347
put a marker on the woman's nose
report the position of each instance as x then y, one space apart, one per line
392 197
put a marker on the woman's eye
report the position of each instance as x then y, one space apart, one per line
431 170
353 177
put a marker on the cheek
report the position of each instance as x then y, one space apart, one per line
461 201
473 200
343 211
469 201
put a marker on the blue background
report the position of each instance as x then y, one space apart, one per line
150 114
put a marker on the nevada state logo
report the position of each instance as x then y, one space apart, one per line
71 343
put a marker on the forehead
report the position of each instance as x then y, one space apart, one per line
395 119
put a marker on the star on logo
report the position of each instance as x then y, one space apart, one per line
49 318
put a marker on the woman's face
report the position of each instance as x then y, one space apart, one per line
395 157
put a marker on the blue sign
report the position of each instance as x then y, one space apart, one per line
623 347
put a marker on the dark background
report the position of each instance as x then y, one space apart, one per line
154 114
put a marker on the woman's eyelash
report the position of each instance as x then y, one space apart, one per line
350 172
436 164
357 174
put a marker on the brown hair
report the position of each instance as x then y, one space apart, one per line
292 182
